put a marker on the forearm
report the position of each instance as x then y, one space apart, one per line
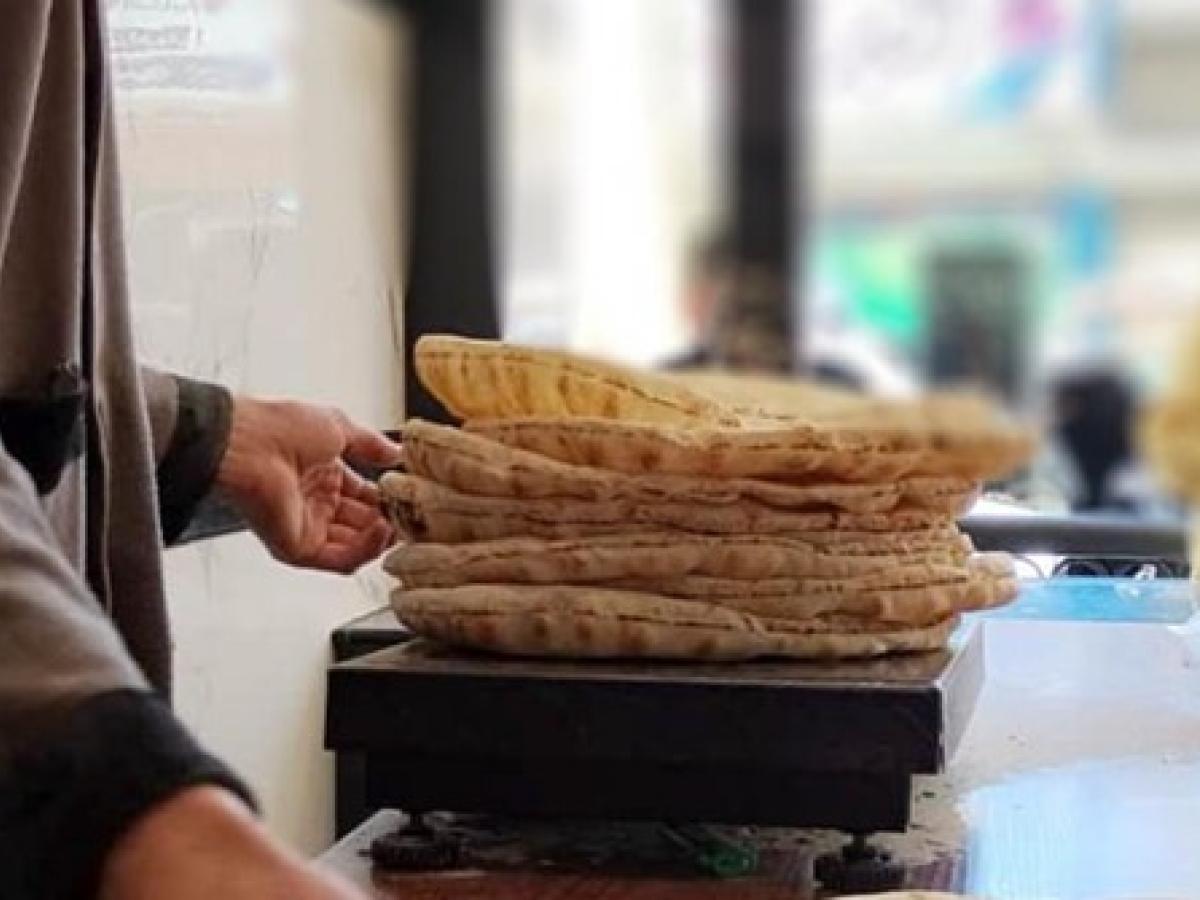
202 844
192 837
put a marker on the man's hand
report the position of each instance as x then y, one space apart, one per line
285 471
202 844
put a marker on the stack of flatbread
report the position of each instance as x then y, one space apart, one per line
587 510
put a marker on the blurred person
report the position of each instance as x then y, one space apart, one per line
736 316
708 276
752 332
102 791
1094 414
737 319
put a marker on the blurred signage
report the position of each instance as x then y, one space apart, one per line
955 59
192 45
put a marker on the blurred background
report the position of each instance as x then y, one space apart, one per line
886 194
1005 192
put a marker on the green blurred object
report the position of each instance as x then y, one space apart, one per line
881 280
714 853
876 270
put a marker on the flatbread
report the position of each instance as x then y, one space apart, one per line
786 452
599 623
917 605
588 510
427 511
664 556
717 589
488 379
473 464
912 594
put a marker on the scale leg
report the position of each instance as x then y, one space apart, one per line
858 868
351 807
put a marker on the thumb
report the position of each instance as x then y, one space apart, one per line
367 447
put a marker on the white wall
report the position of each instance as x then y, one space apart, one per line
263 241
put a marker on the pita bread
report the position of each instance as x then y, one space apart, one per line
920 605
592 511
853 454
427 511
908 594
523 381
663 556
916 594
600 623
473 464
717 590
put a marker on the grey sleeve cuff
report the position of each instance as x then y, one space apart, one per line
65 802
162 400
188 468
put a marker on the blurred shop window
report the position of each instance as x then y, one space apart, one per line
607 167
204 93
1007 192
945 206
258 144
1046 129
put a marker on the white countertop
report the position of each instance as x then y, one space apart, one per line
1080 773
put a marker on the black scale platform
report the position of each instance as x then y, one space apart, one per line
420 727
